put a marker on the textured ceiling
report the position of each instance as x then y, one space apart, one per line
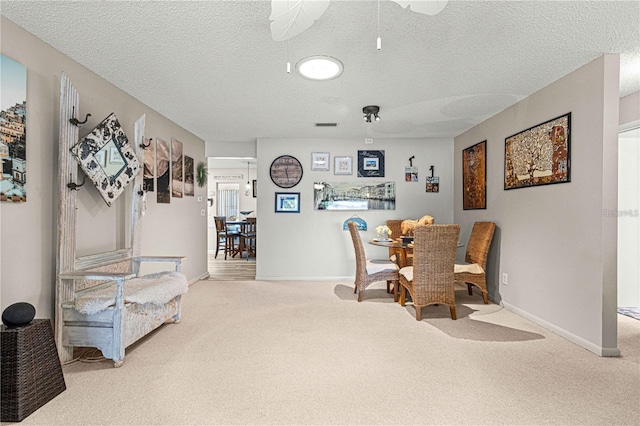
213 67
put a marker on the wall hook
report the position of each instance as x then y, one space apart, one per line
143 146
141 190
432 169
411 160
74 186
75 121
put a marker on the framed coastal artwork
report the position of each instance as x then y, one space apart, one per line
370 163
540 155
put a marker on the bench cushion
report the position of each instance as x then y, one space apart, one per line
158 289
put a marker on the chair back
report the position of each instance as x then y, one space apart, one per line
361 257
250 226
479 243
221 224
396 232
434 257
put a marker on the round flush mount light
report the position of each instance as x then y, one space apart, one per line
319 67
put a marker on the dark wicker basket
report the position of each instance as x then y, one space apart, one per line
31 371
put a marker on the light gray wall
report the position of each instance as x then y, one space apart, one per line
629 201
554 241
29 230
312 245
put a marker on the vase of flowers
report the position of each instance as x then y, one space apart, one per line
383 232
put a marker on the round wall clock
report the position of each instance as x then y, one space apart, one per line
286 171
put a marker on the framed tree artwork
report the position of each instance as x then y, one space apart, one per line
540 155
474 177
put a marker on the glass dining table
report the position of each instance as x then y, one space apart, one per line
401 247
398 246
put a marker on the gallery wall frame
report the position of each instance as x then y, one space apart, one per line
320 161
189 177
539 155
359 195
13 146
163 167
177 169
371 163
287 202
342 165
254 187
474 177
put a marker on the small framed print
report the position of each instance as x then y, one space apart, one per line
370 163
320 161
342 165
287 202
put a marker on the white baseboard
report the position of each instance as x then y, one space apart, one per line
349 279
598 350
200 277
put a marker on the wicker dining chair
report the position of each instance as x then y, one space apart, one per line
370 271
396 232
474 271
430 280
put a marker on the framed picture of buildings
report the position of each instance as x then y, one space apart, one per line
474 177
540 155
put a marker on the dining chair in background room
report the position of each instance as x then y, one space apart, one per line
370 271
248 237
473 272
225 239
395 226
431 280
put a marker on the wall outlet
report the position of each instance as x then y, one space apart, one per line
203 212
505 279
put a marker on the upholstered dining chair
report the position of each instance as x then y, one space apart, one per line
370 271
430 280
473 272
225 239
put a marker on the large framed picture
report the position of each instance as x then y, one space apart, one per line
287 202
370 163
540 155
320 161
342 165
474 177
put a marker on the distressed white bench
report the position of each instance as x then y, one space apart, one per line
109 306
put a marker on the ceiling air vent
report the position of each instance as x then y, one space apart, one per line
326 124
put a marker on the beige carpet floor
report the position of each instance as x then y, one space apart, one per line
254 352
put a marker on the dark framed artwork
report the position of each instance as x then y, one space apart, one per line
540 155
370 163
287 202
163 170
254 186
189 177
177 175
474 177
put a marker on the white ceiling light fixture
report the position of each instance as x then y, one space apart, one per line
319 67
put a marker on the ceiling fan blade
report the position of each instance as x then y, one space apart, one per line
291 17
427 7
